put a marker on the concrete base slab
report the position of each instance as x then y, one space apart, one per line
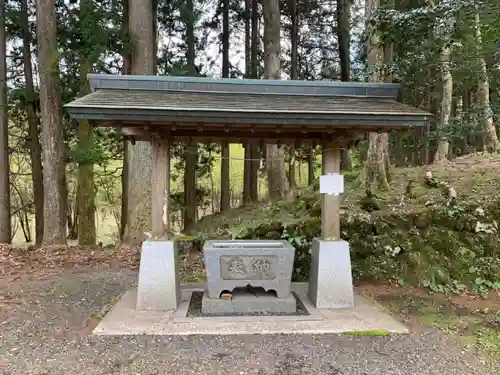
124 319
248 303
330 279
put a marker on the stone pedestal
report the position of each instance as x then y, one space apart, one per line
159 285
249 304
330 280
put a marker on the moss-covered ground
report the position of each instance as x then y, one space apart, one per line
416 238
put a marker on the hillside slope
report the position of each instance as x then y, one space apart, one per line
416 237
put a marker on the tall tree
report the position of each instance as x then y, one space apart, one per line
388 57
225 203
191 148
5 225
446 102
252 153
490 139
86 187
344 42
139 156
253 183
54 179
127 64
294 74
277 182
375 172
248 38
442 34
33 125
310 166
247 163
344 38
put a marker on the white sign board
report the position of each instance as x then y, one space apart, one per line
332 183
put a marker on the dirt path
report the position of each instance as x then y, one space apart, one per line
45 326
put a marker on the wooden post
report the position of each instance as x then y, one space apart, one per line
160 180
330 204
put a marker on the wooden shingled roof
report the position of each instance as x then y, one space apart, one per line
183 104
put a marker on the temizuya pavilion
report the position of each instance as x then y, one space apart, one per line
164 109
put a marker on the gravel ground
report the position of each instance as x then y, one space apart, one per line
47 332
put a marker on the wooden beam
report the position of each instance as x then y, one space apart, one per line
160 181
330 204
235 135
255 127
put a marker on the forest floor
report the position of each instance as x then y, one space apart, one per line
51 300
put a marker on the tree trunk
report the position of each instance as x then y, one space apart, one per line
254 66
446 89
424 132
85 187
33 126
276 176
447 94
344 42
5 224
375 172
294 40
248 38
254 171
346 160
54 178
225 203
490 139
225 39
294 74
247 163
388 56
139 156
190 206
154 7
191 148
310 166
292 180
467 106
344 38
127 65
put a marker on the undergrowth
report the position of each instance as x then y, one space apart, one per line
415 238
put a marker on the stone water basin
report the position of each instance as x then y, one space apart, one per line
239 263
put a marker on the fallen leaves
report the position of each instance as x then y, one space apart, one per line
15 261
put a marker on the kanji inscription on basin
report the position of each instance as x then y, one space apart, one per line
254 267
233 264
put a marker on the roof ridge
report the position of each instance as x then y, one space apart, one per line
241 86
249 93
